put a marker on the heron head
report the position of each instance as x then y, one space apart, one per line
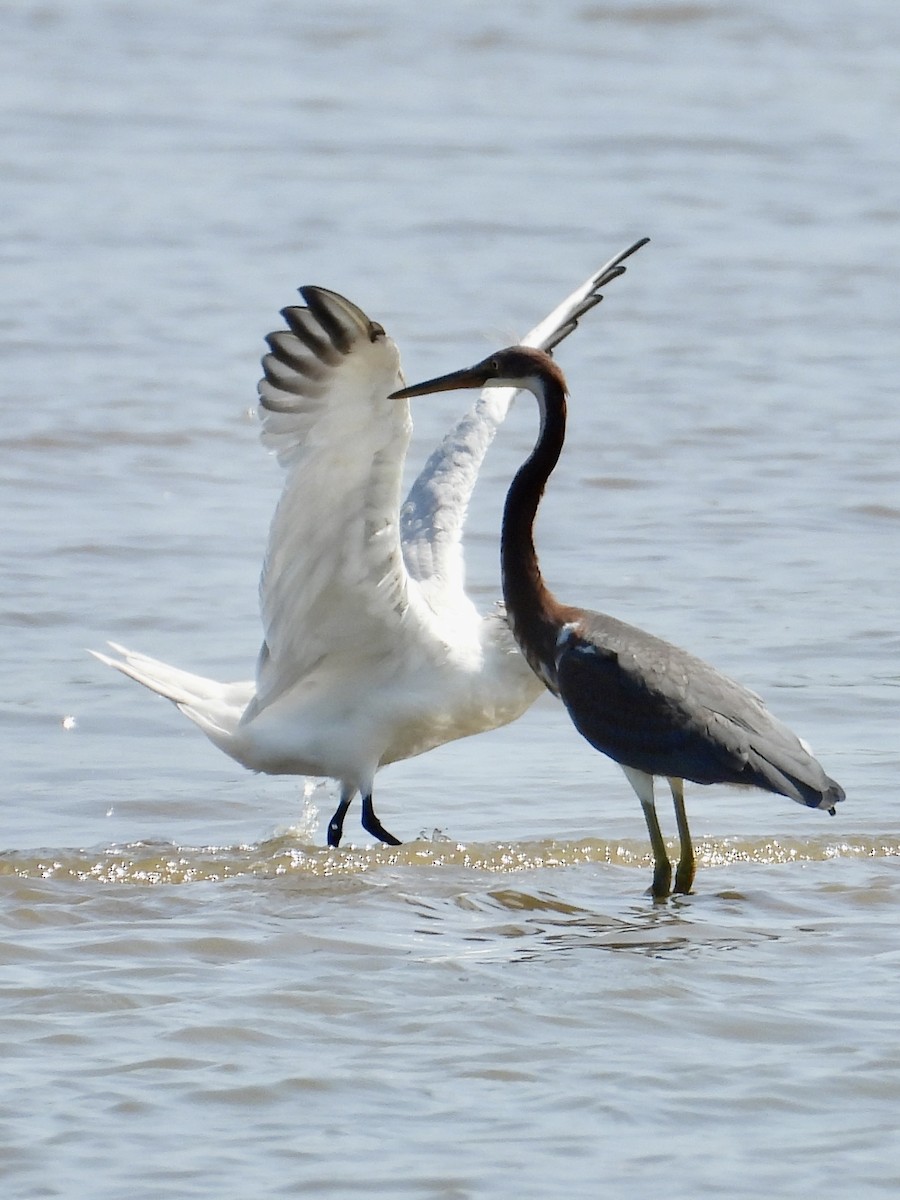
516 366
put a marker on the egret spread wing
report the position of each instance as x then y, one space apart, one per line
565 317
433 516
333 580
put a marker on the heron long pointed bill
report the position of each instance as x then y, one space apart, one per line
469 377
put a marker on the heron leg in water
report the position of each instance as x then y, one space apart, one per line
662 869
372 825
336 824
684 873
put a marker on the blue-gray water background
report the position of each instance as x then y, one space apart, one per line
196 999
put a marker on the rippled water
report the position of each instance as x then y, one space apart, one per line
198 998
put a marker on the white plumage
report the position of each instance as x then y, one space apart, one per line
372 650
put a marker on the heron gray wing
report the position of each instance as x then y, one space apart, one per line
658 709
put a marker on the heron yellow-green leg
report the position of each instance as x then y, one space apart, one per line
662 869
684 874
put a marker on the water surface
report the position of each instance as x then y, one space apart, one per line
198 999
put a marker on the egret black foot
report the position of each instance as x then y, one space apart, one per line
371 824
383 836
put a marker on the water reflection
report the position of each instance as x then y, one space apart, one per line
552 926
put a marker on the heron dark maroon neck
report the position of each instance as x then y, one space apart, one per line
533 611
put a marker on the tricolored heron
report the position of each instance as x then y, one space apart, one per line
651 707
372 651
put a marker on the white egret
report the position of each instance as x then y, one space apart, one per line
372 650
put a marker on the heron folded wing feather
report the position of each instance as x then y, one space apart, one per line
656 708
632 716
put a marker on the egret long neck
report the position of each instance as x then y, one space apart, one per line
535 616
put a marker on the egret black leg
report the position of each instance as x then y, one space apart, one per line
684 874
372 825
642 783
336 824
